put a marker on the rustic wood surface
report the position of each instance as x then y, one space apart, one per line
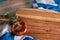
12 5
18 3
39 26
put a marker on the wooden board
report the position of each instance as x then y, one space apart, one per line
42 24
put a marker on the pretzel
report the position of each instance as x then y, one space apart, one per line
19 28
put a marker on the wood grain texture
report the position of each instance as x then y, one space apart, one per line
41 28
12 5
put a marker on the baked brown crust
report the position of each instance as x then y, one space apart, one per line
19 30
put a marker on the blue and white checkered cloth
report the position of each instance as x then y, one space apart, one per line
47 4
6 34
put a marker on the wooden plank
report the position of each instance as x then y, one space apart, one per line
39 14
42 24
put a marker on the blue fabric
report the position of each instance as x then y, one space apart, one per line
47 5
57 1
34 1
2 0
51 7
7 36
41 5
10 36
27 38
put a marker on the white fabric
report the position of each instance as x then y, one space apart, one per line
51 2
18 37
7 29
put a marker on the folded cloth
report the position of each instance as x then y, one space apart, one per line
6 34
47 4
57 1
11 36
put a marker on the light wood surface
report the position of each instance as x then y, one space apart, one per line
42 24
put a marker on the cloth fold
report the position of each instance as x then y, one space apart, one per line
6 34
47 4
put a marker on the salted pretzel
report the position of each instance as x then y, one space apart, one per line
19 27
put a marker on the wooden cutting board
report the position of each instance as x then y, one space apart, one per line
41 24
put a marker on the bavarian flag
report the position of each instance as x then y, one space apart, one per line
47 4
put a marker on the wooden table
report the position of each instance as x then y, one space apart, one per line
41 24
